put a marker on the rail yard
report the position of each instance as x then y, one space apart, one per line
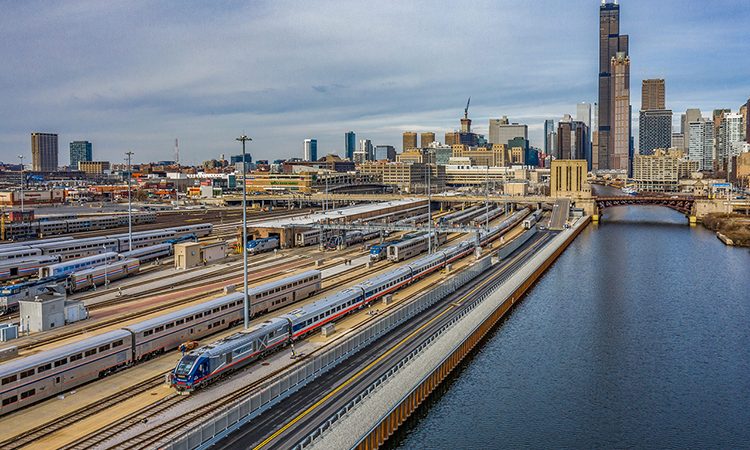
162 346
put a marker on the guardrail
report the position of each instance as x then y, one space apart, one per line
231 418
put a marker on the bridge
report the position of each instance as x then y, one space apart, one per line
681 204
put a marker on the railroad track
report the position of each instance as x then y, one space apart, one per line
158 432
30 436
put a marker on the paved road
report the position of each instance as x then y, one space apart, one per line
560 212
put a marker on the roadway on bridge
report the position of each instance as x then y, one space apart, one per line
295 418
560 213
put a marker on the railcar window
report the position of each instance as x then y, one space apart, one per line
170 325
27 373
180 322
159 328
9 400
215 310
104 348
10 379
189 319
91 352
76 357
44 368
224 307
148 333
117 343
28 393
61 362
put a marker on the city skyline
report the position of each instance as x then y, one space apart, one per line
84 78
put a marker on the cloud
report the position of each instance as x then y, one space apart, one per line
135 75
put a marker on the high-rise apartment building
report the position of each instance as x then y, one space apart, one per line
426 139
502 131
691 115
619 133
678 142
610 44
311 149
652 94
583 113
80 151
366 148
655 130
701 143
409 140
732 133
747 121
350 144
44 152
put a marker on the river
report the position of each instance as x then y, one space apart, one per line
638 336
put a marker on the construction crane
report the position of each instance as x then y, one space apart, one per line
466 110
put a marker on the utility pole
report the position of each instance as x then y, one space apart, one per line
429 211
23 181
487 198
246 303
130 209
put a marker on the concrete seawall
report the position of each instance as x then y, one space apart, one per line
370 423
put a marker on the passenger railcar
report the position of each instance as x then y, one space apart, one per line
142 239
200 230
309 237
75 265
27 267
149 253
97 276
20 252
277 294
11 294
166 332
78 248
412 247
532 219
27 380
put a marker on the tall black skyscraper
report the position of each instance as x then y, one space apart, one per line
610 43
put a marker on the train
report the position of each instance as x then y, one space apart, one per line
532 219
487 216
380 251
351 238
79 248
145 254
262 245
11 294
24 381
201 366
75 265
310 237
12 269
96 276
41 228
414 246
462 216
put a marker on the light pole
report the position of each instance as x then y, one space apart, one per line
429 210
106 281
246 305
22 181
130 210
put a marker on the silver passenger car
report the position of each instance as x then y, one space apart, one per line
28 380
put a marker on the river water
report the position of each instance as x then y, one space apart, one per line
637 337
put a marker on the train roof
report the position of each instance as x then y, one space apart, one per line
283 281
28 259
144 250
378 279
240 338
84 259
84 272
41 281
75 242
314 307
47 356
188 311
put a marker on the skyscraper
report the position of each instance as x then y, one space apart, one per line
426 139
655 122
700 146
652 94
583 113
80 151
620 136
691 115
366 148
747 121
610 44
311 149
409 140
350 144
43 152
572 139
549 130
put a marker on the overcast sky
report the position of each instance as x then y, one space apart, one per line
135 75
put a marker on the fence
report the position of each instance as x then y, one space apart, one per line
231 418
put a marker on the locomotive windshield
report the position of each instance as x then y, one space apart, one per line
183 367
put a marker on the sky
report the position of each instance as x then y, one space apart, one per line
135 75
